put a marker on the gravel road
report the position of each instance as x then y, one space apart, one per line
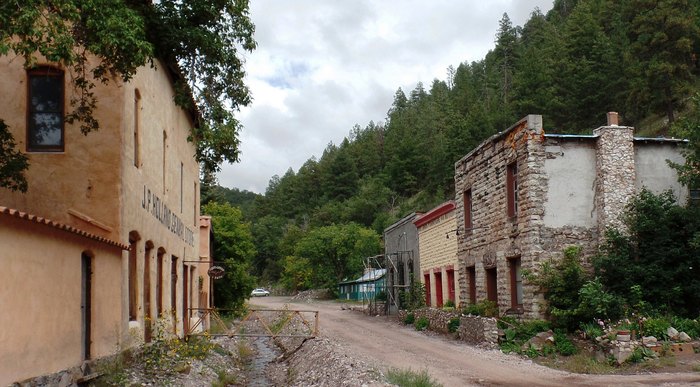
383 343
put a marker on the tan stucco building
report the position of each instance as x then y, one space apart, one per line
104 246
437 246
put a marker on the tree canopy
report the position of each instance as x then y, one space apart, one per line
233 245
202 40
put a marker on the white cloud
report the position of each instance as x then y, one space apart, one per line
323 66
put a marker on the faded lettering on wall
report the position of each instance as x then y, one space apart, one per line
153 204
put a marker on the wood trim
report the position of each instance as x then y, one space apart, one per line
87 219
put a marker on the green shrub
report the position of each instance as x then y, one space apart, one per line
483 308
691 327
421 323
409 319
528 329
562 281
591 330
563 345
449 304
409 378
640 354
656 327
414 297
453 324
380 296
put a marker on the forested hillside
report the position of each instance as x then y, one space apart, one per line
572 65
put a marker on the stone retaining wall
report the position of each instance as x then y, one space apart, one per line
472 329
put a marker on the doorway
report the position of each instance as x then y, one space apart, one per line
438 289
86 303
492 285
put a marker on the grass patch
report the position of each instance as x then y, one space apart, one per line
581 363
409 378
245 353
224 379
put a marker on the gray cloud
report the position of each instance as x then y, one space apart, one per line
323 66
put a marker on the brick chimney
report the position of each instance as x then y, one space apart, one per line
613 119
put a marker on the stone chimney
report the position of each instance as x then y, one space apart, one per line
615 170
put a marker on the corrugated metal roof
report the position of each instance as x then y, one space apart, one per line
61 226
371 275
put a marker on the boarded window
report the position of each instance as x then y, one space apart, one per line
133 290
451 285
516 283
492 285
137 118
471 277
468 225
512 189
426 278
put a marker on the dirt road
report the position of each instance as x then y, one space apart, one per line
386 344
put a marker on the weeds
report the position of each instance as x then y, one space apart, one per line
409 319
224 379
409 378
453 324
582 363
421 324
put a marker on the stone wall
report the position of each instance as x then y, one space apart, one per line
472 329
615 183
478 330
495 238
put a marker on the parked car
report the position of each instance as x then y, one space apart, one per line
259 292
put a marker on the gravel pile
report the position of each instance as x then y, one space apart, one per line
320 362
313 294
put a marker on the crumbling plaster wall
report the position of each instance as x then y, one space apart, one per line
653 171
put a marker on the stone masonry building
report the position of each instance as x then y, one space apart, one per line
524 195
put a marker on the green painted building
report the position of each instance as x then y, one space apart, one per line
365 287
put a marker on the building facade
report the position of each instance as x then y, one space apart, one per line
402 259
128 192
523 195
437 244
364 288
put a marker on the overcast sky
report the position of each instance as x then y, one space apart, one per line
322 66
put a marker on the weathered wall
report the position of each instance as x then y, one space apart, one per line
159 197
401 252
439 253
571 174
570 190
40 293
496 237
101 184
79 186
652 169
